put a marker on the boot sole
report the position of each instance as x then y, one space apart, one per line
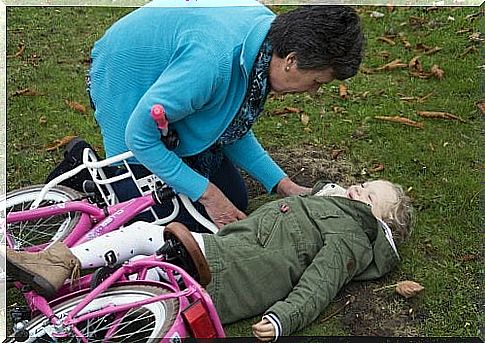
38 283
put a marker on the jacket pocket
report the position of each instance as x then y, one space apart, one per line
326 214
267 226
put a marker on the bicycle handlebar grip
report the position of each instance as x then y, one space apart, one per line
158 114
162 195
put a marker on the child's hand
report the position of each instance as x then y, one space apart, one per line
264 331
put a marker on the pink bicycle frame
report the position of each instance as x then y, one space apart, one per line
118 215
192 293
94 222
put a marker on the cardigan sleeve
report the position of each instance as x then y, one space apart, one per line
180 98
248 154
333 267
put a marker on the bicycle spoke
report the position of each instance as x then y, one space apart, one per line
41 230
114 327
146 328
123 329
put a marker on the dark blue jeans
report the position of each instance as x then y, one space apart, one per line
227 178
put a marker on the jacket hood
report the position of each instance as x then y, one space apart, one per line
385 257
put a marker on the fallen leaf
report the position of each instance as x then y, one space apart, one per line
408 289
420 47
386 40
474 15
432 51
376 168
437 72
26 92
407 98
59 143
468 257
335 153
421 74
415 65
343 91
76 106
384 54
481 107
19 52
406 43
304 118
439 115
424 98
285 110
366 70
338 109
427 50
393 65
472 48
417 99
400 120
475 37
463 31
416 22
292 110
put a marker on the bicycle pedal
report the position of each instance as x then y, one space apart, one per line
21 335
100 275
167 249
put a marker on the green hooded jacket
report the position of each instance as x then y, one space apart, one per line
292 256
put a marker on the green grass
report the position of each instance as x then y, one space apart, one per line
439 164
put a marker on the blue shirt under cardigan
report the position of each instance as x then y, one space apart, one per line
196 63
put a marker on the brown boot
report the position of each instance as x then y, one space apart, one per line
45 271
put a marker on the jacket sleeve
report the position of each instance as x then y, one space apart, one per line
248 154
334 266
180 98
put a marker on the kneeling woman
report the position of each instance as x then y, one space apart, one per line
287 260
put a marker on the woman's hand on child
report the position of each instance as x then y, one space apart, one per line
286 187
219 208
264 331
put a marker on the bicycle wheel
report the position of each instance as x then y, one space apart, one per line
44 230
148 323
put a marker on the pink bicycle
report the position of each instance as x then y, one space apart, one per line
112 304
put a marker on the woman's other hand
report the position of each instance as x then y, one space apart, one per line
264 331
286 187
219 208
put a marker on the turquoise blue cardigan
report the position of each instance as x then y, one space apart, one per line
193 61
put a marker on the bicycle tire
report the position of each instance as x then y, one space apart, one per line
45 230
148 323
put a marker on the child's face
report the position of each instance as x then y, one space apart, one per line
381 195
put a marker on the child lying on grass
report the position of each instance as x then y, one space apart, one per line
287 260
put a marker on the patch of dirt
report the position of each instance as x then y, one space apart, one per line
382 313
307 164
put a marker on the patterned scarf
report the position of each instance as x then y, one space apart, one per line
209 160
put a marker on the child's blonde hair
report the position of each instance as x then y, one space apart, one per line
400 217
